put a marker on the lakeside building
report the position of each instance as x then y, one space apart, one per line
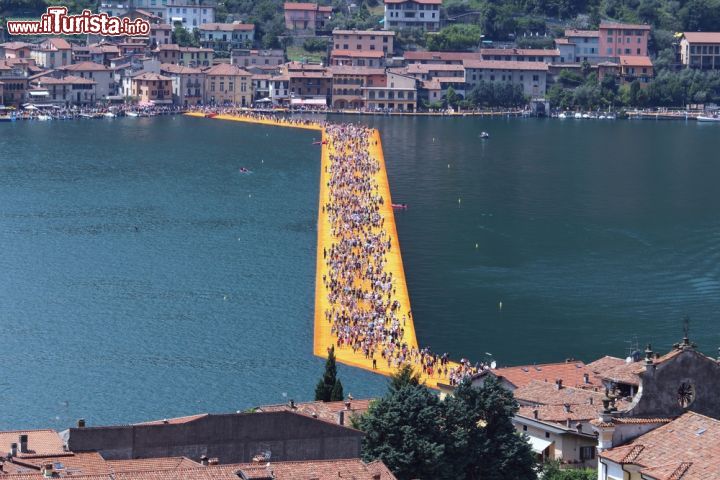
280 90
245 58
100 74
261 88
160 34
67 91
152 89
308 84
305 18
357 58
399 93
616 39
14 75
348 83
52 53
442 58
188 84
103 53
228 84
585 46
403 14
532 76
521 55
700 50
185 56
375 40
226 36
627 69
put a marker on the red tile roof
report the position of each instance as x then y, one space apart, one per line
329 411
68 464
573 373
505 65
445 56
626 373
68 80
40 442
560 413
16 45
151 77
85 67
227 70
547 393
537 52
602 365
58 43
688 448
702 37
176 420
301 6
635 61
151 464
179 69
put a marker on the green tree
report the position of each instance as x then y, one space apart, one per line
455 38
551 471
329 388
182 37
468 436
451 98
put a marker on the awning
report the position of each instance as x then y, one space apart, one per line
539 445
309 101
39 94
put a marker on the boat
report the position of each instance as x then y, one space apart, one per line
85 115
484 135
562 115
44 118
131 114
704 118
244 171
109 115
400 206
7 118
578 115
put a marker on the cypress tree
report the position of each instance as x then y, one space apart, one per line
329 387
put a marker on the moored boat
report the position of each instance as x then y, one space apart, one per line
705 118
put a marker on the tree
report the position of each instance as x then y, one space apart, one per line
451 97
468 436
551 471
182 37
329 388
455 38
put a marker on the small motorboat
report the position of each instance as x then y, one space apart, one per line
705 118
44 118
244 171
131 114
562 115
109 115
85 115
578 115
400 206
484 135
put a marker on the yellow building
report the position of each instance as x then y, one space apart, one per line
227 84
152 88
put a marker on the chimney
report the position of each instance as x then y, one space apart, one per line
292 404
347 404
13 450
558 384
591 400
204 460
567 422
81 423
23 443
535 414
214 461
649 364
341 417
567 407
586 378
578 427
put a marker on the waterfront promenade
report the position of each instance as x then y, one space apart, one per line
324 336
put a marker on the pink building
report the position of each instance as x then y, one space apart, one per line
624 39
306 16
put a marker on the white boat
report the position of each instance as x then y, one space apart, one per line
484 135
578 115
131 114
585 115
109 115
85 115
703 118
562 115
44 118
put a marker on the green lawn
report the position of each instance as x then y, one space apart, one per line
299 54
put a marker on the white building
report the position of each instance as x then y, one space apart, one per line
531 75
423 14
191 16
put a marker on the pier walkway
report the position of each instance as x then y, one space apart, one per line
323 334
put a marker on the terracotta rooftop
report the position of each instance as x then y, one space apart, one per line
505 65
68 80
300 6
57 43
432 67
148 464
67 464
16 45
151 77
85 67
688 448
571 373
548 393
537 52
635 61
445 56
602 365
702 37
329 411
561 413
179 69
626 373
388 33
40 442
227 70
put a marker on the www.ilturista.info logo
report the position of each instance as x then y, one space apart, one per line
56 21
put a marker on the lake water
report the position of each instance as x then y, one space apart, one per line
142 276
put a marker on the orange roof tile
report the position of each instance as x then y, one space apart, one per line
227 70
572 374
323 410
702 37
358 53
635 61
547 393
40 442
300 6
582 33
151 464
505 65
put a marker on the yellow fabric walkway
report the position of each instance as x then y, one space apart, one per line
323 337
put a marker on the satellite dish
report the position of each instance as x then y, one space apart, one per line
493 364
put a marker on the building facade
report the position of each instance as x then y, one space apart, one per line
357 58
52 53
227 84
189 14
67 91
700 50
399 94
102 75
227 36
617 39
586 46
306 18
532 76
188 84
348 84
422 14
152 89
245 58
373 40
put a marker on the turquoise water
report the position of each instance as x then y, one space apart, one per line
142 276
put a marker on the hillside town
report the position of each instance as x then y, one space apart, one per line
358 70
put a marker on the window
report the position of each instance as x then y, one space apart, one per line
587 453
536 78
524 428
547 434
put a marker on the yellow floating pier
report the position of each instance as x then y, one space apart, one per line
323 337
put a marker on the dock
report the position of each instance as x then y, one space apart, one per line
323 336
